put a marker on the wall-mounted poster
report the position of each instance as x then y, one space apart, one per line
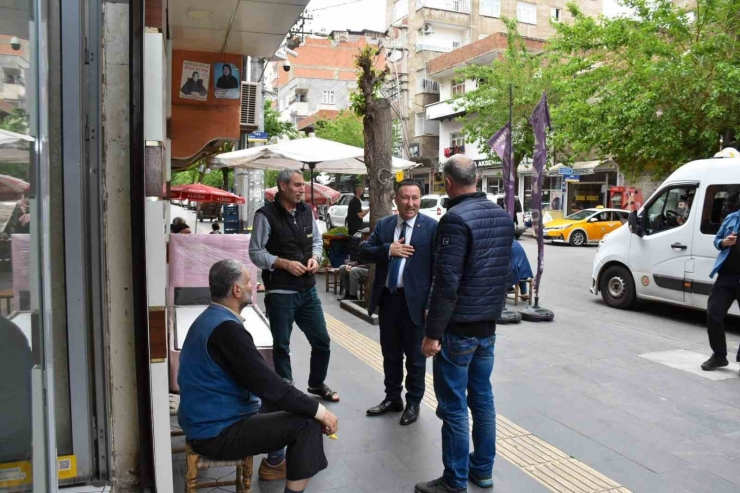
194 80
226 77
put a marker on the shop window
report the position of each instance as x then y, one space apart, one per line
719 201
669 210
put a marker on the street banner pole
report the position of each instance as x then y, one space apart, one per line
540 121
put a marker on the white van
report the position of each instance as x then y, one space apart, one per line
666 251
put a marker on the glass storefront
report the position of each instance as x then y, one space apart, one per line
27 390
552 194
45 338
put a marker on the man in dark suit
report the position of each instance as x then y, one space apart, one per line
402 248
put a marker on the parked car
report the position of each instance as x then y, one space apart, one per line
586 226
435 206
667 250
336 215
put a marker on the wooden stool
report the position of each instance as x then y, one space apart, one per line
332 279
195 462
517 291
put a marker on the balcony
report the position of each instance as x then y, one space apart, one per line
298 109
444 110
432 47
461 6
427 86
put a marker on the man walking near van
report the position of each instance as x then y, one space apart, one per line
468 293
725 291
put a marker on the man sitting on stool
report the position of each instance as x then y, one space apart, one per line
354 274
222 377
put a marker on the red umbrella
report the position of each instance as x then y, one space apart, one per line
322 195
12 188
203 193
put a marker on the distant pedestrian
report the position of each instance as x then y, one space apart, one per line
176 221
355 214
725 290
181 229
468 294
216 229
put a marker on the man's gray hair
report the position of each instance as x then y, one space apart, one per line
222 277
286 175
461 170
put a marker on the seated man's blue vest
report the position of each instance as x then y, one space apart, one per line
210 400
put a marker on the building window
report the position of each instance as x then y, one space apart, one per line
526 12
400 9
328 97
458 88
555 14
457 139
490 8
419 125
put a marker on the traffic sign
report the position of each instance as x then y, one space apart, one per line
565 171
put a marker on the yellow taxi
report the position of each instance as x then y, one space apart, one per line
586 226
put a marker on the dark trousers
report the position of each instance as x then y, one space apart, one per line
725 291
305 310
399 336
263 433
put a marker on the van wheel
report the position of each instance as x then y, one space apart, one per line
578 238
618 288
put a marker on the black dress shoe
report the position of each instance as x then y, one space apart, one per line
714 362
348 297
386 407
410 415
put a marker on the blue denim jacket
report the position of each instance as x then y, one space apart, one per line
730 224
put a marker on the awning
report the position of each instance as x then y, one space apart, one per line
588 167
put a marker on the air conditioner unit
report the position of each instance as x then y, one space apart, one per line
251 114
428 29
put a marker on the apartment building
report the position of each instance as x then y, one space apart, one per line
322 75
421 31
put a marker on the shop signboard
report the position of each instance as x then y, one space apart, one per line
565 171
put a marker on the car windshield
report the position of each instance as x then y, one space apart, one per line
580 215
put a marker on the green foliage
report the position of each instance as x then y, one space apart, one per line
366 61
345 129
339 230
488 106
276 128
654 90
214 179
16 122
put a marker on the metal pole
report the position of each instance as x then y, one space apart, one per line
510 147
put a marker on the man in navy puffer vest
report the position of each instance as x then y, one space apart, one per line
222 378
468 293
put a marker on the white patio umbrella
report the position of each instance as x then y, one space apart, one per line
14 147
313 153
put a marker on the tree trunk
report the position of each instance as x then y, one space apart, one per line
337 181
378 123
225 173
378 132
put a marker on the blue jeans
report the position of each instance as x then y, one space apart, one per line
465 364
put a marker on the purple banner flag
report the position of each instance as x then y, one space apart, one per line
501 145
540 121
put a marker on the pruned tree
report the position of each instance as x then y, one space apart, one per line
377 121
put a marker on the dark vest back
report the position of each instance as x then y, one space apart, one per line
291 238
482 291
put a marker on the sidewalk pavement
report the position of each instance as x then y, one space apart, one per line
579 411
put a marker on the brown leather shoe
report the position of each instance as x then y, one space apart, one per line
267 472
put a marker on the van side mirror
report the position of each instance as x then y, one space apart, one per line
634 223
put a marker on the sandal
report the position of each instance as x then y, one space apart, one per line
325 393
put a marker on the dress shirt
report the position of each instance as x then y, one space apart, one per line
410 223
